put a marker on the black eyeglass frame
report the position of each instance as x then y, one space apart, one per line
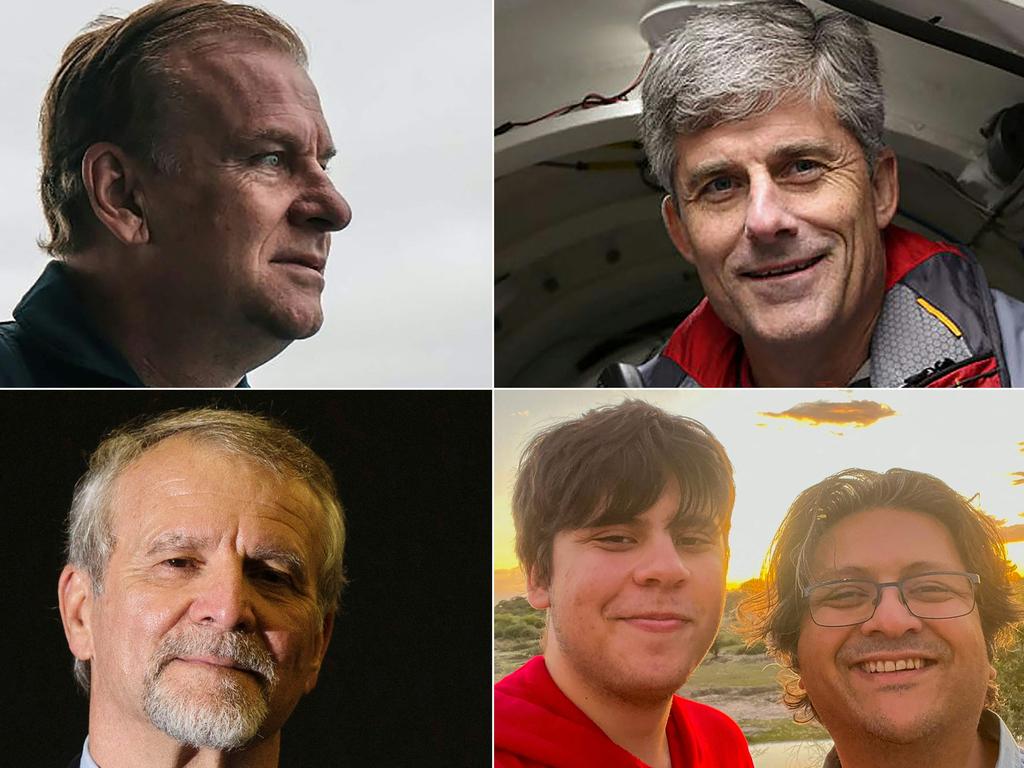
973 578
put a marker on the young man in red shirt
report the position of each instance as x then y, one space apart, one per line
622 521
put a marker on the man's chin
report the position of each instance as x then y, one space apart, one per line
203 706
289 323
894 718
794 327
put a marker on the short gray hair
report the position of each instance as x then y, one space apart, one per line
737 61
90 534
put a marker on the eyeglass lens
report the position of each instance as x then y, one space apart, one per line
929 596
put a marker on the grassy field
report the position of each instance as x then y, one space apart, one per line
733 671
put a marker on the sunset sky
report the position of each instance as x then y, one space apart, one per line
782 441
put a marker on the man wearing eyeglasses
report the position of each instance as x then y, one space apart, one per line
885 596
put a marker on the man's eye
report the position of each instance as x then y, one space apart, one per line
272 576
614 540
721 184
270 159
179 562
275 577
805 167
719 188
692 540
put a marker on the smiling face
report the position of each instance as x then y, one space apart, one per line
208 623
633 607
782 222
243 230
850 673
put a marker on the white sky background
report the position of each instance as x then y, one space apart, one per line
406 90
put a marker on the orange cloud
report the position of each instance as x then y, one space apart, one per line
858 413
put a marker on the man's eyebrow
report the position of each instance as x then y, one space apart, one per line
857 572
706 170
176 541
285 138
803 148
711 168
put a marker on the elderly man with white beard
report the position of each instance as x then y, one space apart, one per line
204 571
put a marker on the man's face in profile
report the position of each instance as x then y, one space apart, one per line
633 607
781 220
208 622
244 228
843 668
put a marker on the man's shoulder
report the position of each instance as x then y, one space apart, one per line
535 725
706 718
710 730
529 693
14 370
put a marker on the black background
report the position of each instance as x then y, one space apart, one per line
406 681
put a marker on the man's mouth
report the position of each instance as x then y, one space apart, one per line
309 261
217 661
899 665
657 622
789 268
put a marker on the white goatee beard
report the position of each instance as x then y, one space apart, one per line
226 715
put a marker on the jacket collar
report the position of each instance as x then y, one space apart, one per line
55 319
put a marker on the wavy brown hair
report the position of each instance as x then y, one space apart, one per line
774 615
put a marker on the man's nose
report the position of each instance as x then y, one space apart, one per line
768 216
891 618
223 599
660 562
321 206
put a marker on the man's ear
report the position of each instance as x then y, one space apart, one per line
886 186
674 225
113 184
326 630
75 596
537 593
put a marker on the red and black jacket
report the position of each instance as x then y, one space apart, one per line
937 328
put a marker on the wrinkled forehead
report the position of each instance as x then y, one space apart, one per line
182 482
792 122
883 542
243 83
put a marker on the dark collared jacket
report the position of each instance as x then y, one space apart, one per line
52 342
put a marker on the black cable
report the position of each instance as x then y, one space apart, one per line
587 102
926 32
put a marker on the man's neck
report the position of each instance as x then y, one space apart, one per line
116 741
166 344
829 361
639 728
952 749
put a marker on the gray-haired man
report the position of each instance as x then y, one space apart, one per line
764 124
204 570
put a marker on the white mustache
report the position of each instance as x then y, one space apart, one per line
244 650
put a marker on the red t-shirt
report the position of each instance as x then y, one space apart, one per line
536 725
